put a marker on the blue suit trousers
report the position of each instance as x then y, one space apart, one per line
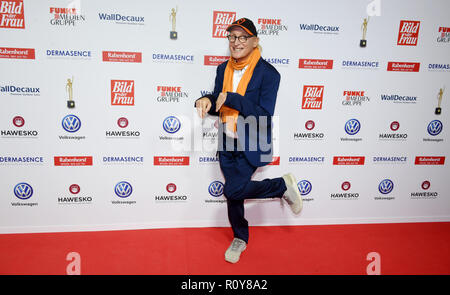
238 186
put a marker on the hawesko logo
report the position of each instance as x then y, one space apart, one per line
17 53
408 33
403 66
434 127
346 185
121 56
123 189
214 60
74 189
348 160
429 160
12 14
386 186
171 188
326 64
221 21
23 191
304 186
171 124
18 121
215 188
352 126
170 161
71 123
73 160
122 92
312 97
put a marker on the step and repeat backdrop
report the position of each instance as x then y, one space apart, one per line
98 129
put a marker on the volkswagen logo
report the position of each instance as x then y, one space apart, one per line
435 127
304 186
171 124
215 189
386 186
123 189
23 191
352 126
71 123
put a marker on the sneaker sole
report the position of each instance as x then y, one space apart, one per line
292 182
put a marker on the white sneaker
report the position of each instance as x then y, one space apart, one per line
234 251
292 194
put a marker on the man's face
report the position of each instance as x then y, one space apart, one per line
240 51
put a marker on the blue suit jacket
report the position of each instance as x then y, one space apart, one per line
256 108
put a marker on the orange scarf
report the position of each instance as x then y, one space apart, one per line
229 115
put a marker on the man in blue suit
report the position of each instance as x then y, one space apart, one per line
244 98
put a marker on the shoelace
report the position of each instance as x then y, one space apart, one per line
236 244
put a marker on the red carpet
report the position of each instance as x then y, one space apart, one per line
407 248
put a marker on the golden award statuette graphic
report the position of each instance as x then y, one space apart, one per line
363 41
173 19
69 88
440 94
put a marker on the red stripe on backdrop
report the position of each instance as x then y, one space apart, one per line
406 248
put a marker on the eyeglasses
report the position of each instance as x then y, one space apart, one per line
242 39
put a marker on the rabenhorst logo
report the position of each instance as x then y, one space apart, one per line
277 61
429 160
312 97
73 160
68 54
75 198
320 29
125 160
270 26
396 98
389 159
171 94
348 160
123 132
122 56
214 60
12 14
394 135
21 160
122 19
62 16
170 161
395 66
221 21
309 134
122 92
18 132
439 67
172 58
20 90
345 194
443 35
17 53
408 33
354 97
319 64
306 159
360 64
